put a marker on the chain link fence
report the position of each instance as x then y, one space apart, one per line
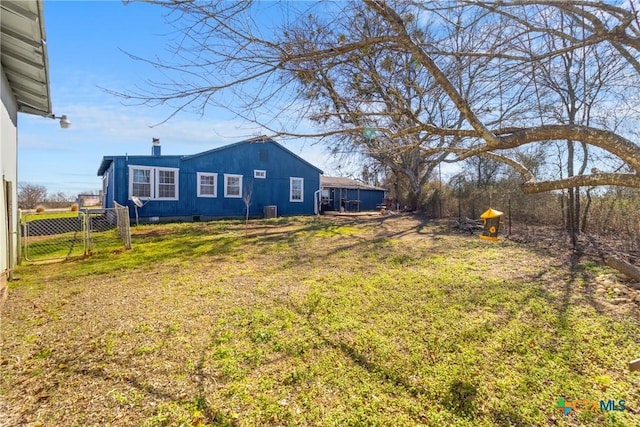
50 236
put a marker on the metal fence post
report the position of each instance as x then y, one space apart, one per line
19 237
86 225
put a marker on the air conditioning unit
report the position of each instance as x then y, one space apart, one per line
271 211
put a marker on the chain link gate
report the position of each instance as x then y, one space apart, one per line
63 235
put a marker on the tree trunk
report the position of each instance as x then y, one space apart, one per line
562 210
625 268
585 213
577 208
571 203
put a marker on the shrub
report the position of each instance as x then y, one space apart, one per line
74 207
40 209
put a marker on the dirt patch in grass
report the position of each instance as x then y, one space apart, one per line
315 321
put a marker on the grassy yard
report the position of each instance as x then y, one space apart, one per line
307 321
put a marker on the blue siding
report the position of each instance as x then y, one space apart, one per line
238 159
370 199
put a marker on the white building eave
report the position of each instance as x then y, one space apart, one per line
23 52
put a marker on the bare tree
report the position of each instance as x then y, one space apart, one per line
31 195
247 196
570 85
502 139
228 56
382 89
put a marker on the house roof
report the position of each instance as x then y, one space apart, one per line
105 163
342 182
258 140
106 160
23 53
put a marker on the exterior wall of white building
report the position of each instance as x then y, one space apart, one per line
8 189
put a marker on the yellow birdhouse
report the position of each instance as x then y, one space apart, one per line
491 219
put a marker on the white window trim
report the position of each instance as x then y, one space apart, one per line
154 182
292 179
215 184
150 169
176 172
260 173
232 196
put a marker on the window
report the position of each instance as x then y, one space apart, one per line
261 174
207 184
232 185
167 180
296 189
153 183
140 182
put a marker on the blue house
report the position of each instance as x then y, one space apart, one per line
349 195
213 184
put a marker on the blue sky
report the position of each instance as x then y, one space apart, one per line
85 41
